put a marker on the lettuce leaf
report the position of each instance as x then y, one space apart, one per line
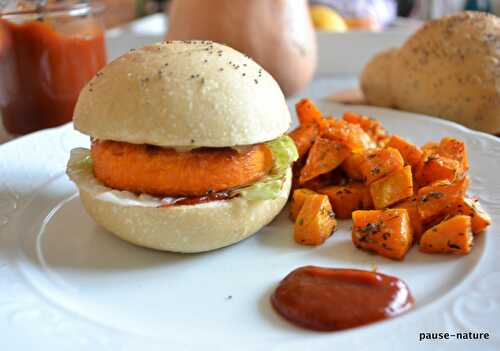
86 160
284 153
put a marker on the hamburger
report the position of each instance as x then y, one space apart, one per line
188 151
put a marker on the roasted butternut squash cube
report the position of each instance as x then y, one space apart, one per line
453 235
446 160
298 198
315 222
480 219
386 232
410 205
410 152
304 137
436 167
348 198
377 163
351 135
454 149
430 148
440 198
371 126
325 155
352 166
383 142
307 112
393 188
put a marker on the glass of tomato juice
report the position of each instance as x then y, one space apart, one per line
47 55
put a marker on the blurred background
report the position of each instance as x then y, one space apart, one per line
123 11
381 12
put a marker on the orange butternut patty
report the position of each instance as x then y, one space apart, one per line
165 172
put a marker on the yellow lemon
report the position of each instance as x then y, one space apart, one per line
324 18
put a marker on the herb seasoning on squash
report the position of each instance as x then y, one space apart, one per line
395 191
315 222
386 232
450 236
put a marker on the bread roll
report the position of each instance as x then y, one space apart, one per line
183 93
376 79
450 68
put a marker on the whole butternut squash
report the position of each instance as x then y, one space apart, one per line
277 34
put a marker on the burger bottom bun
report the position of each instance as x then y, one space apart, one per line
186 228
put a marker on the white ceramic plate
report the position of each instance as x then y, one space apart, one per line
66 284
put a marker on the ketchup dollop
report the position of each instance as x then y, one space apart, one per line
330 299
195 200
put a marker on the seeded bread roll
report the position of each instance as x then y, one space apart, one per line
450 68
183 93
